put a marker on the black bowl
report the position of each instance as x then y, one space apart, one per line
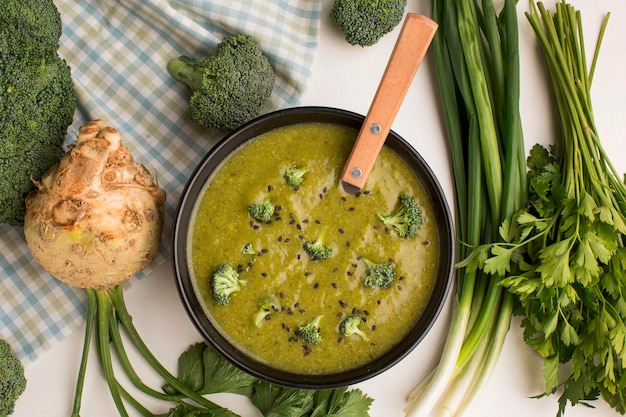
193 305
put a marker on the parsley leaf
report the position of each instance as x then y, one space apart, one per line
203 370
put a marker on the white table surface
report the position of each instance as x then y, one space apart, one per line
345 76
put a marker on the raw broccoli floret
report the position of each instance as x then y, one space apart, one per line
406 219
311 332
30 29
229 88
224 282
267 306
350 326
316 249
379 274
295 175
262 212
12 379
37 101
364 22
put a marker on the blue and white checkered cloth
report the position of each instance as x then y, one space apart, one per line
118 51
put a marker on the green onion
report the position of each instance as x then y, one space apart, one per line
477 58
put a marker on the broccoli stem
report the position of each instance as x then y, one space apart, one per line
186 70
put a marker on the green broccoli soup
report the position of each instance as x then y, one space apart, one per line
325 258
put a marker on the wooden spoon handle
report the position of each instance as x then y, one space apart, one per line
415 37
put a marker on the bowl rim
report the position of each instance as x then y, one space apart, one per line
243 361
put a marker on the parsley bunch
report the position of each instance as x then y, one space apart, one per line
563 256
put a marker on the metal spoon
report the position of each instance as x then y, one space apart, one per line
415 37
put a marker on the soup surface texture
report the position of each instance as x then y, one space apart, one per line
306 288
